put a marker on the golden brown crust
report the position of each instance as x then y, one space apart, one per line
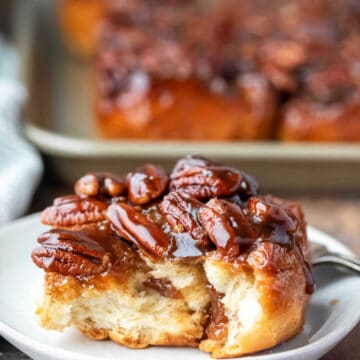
78 20
132 340
312 121
183 101
166 340
283 305
94 333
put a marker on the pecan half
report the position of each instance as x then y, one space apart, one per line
94 184
73 210
227 226
180 210
133 226
146 184
204 178
70 253
190 161
275 223
211 181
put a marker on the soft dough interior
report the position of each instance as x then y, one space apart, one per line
129 312
262 308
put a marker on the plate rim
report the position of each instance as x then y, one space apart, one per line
13 335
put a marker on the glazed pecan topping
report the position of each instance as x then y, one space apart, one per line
275 223
73 210
206 181
70 253
180 210
227 226
133 226
173 225
146 184
94 184
190 161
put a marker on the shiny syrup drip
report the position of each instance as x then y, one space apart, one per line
245 184
101 236
183 244
274 232
277 234
309 279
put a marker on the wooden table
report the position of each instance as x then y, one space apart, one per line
338 215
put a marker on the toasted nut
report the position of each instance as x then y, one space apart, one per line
204 183
73 210
133 226
203 179
70 253
94 184
146 184
190 161
227 226
276 224
181 211
211 181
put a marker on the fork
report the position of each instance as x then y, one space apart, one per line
321 255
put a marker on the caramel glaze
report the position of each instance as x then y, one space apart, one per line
181 245
279 227
93 242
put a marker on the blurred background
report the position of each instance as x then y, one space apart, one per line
272 87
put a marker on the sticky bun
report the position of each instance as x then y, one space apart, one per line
193 258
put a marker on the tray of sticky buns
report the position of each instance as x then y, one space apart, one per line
258 83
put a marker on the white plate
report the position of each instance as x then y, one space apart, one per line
333 312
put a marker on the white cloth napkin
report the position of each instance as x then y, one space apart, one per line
20 165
